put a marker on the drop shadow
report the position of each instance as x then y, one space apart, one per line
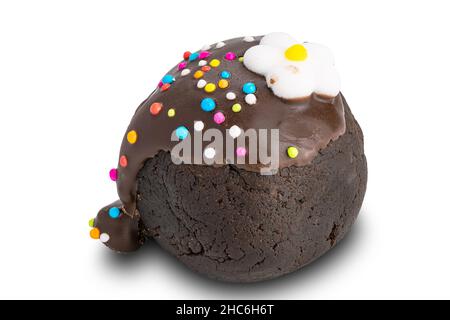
151 251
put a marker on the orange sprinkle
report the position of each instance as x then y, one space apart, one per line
155 108
165 87
123 161
206 68
95 233
198 74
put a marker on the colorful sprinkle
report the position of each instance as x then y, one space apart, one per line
198 74
206 68
123 161
208 104
114 212
202 63
230 56
104 237
223 84
91 222
198 125
214 63
231 95
219 117
249 87
168 78
241 152
194 56
297 52
234 131
186 55
160 84
225 74
113 174
155 108
292 152
204 54
236 107
201 83
220 44
182 65
209 153
171 113
250 99
182 132
249 39
210 87
185 72
206 47
132 137
94 233
165 87
241 59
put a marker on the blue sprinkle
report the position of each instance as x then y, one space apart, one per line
114 212
225 74
193 56
168 78
182 132
249 88
208 104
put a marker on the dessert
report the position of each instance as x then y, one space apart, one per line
245 162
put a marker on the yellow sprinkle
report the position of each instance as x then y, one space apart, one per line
241 59
198 74
223 84
171 112
95 233
91 223
210 87
214 63
297 52
292 152
236 107
132 137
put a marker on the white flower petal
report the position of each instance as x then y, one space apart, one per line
278 39
260 59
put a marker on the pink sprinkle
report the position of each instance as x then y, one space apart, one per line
230 56
219 117
204 54
182 65
113 174
241 152
160 84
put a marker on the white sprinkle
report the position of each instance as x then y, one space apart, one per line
202 63
234 131
249 39
185 72
250 98
206 47
198 125
201 83
104 237
220 44
231 95
209 153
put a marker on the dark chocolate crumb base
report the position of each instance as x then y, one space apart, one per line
238 226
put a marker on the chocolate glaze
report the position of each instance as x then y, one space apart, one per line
310 124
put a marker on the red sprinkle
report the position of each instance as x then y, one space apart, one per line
206 68
156 107
165 87
186 55
123 161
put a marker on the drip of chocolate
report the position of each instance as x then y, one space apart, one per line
308 125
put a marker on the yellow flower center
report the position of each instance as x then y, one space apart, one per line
297 52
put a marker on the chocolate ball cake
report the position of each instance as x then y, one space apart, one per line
245 162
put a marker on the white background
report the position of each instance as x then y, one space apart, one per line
73 72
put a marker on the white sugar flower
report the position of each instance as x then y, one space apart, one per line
294 70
